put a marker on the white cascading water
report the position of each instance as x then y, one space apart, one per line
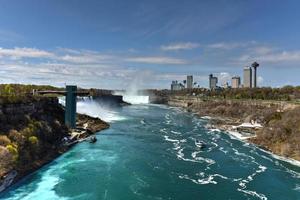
135 99
92 108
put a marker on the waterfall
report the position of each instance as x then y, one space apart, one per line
86 105
135 99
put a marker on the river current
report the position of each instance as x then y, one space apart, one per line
153 152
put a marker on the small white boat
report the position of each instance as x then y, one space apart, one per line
200 144
93 139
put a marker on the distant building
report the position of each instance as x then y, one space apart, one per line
225 85
189 82
175 86
236 82
213 81
255 65
247 77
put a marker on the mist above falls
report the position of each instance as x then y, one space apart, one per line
95 108
133 94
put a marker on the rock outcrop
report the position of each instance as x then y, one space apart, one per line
32 133
280 119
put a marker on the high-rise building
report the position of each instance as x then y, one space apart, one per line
247 77
213 82
189 82
176 86
235 82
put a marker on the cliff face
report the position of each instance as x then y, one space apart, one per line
30 134
33 133
281 133
281 120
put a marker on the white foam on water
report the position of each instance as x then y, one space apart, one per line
198 144
297 187
288 160
94 109
143 122
194 154
175 142
214 130
206 117
167 138
176 132
135 99
163 130
44 189
223 150
236 152
253 193
199 159
243 183
237 135
208 180
203 180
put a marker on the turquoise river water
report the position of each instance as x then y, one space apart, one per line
152 152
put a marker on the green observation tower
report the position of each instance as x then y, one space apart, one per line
70 112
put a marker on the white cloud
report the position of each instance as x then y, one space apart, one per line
223 77
82 67
272 57
230 45
157 60
85 58
17 53
180 46
262 50
285 56
260 80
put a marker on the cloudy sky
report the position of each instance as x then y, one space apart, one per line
115 43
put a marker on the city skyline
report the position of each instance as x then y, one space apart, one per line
116 45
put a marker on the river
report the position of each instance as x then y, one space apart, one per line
152 152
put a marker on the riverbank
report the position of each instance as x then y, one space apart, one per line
33 134
278 122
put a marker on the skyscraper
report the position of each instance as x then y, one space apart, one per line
176 86
213 82
189 82
235 82
247 77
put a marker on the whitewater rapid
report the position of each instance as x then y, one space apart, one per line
94 108
153 152
136 99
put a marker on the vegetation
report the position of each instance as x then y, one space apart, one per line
281 122
19 89
32 127
28 136
281 133
239 110
17 93
287 93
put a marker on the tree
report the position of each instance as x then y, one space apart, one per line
6 160
4 140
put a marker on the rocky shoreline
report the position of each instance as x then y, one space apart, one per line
263 123
86 126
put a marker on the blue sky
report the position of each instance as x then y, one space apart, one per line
116 44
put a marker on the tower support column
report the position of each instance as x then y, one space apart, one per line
70 108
